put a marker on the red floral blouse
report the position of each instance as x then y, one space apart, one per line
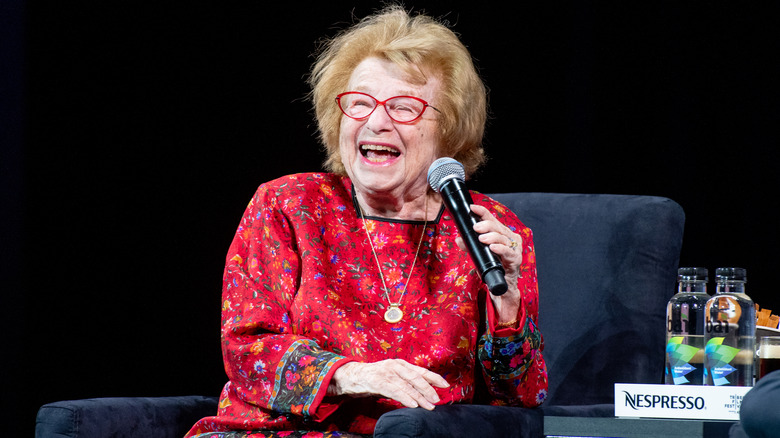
302 295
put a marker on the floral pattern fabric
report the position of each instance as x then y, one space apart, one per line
282 434
302 295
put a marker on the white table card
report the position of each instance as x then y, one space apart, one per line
678 401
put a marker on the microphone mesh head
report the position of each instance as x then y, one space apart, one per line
444 169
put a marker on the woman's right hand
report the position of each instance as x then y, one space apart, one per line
397 379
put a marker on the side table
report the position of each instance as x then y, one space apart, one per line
635 427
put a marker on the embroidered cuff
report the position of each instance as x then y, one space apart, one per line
299 378
510 356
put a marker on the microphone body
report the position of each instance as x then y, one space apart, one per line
446 177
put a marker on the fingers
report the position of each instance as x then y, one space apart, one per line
492 232
397 379
436 380
423 381
411 395
417 383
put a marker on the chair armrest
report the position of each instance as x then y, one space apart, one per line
127 417
461 420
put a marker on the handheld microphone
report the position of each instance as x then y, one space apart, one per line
447 177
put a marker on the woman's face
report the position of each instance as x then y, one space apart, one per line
385 158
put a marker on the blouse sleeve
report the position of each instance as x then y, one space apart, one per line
268 364
513 366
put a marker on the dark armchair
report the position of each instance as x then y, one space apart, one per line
606 267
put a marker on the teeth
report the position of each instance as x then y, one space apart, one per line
376 147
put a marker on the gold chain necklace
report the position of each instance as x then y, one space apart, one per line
394 312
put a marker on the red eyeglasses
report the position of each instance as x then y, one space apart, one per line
402 109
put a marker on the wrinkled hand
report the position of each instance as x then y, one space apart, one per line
410 385
509 247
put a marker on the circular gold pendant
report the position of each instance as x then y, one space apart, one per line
393 314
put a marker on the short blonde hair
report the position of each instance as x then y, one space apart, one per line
419 45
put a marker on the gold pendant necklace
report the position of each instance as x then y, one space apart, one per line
394 313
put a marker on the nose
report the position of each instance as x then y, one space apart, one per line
379 120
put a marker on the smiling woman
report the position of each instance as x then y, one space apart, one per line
349 294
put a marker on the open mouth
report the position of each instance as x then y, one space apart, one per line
378 153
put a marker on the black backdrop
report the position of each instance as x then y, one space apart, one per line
137 131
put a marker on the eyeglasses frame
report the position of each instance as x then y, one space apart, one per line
383 102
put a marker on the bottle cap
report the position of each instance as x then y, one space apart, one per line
692 274
731 274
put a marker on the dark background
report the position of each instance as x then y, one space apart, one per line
134 134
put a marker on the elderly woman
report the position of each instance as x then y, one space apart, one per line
349 294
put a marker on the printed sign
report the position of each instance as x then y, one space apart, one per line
679 401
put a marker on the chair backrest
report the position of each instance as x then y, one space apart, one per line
606 267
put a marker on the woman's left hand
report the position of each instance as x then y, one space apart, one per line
509 247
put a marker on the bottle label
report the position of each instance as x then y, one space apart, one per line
719 359
685 360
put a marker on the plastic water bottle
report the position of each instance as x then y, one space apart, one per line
685 328
730 331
